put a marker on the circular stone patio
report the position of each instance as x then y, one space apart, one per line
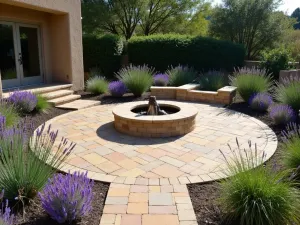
195 157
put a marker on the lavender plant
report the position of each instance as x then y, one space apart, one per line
181 75
260 102
257 196
251 81
6 217
2 122
117 88
25 101
161 79
281 114
291 144
27 163
67 197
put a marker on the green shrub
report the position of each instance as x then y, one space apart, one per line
291 145
23 167
258 196
10 112
275 60
181 75
213 80
97 85
137 79
289 93
201 53
251 81
103 52
42 104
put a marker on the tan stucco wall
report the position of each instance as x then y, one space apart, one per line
60 22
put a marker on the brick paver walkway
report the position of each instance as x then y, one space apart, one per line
149 176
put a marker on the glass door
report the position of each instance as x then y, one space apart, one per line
28 37
9 68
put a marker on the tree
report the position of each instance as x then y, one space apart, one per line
114 16
158 11
250 22
296 14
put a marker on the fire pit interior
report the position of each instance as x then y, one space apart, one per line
155 118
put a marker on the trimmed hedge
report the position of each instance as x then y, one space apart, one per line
103 52
201 53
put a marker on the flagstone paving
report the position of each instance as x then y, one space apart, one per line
149 175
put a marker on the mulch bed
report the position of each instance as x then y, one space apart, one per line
205 196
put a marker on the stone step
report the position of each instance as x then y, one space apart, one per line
64 99
79 104
57 94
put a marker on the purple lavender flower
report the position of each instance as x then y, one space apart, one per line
281 114
260 101
67 197
161 79
2 122
6 218
25 101
117 88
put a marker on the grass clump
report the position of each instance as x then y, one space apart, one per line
97 85
137 79
10 113
251 81
289 93
181 75
257 195
213 80
42 104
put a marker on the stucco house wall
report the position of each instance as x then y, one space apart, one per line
61 35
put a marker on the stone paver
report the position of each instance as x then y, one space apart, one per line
149 175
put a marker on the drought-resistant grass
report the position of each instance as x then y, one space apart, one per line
10 113
289 94
181 75
42 104
213 80
97 85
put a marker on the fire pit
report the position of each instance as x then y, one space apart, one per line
155 119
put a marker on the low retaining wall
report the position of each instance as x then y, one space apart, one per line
188 92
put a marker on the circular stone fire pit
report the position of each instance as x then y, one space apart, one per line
179 121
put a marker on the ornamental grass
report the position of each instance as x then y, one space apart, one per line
181 75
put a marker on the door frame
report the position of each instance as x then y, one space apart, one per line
21 80
17 81
25 81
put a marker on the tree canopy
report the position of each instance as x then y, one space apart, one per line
296 14
253 23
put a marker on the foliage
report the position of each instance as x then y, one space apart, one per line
289 93
137 79
251 81
281 114
275 60
161 79
24 101
103 52
213 80
42 104
117 88
181 75
97 85
23 168
291 41
163 51
10 113
296 14
260 102
291 143
252 23
67 197
257 196
6 218
114 16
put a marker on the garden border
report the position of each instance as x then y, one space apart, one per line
188 92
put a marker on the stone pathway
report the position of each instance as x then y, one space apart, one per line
148 176
79 104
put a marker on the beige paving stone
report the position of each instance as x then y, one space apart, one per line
160 220
181 207
116 200
139 189
183 200
174 181
163 210
153 181
183 180
180 188
137 208
138 197
115 157
118 219
142 181
156 153
167 171
128 164
118 192
133 173
160 199
188 157
131 220
154 188
115 209
172 161
108 219
150 175
144 149
130 180
108 167
186 215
